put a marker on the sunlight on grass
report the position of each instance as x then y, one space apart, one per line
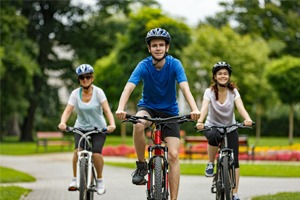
12 192
279 196
8 175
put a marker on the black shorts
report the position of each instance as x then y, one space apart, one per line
97 139
168 130
213 136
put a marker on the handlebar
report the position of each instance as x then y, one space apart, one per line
86 131
158 120
224 127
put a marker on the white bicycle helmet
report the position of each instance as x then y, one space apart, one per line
84 69
158 33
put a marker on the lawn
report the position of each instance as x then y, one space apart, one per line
11 146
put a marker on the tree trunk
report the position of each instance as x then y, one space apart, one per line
27 127
13 128
291 124
258 122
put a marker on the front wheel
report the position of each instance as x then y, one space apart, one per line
83 179
158 173
227 179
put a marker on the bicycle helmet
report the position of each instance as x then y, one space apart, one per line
221 65
158 33
84 69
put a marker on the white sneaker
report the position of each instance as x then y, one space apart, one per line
100 187
73 184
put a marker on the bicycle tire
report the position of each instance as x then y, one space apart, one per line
90 192
226 179
83 179
219 192
158 178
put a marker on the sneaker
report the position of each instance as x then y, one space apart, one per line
139 173
235 197
209 171
100 187
73 185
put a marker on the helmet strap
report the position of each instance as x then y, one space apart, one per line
158 60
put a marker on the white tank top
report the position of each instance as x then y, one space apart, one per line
89 114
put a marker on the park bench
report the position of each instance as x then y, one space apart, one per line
198 145
48 138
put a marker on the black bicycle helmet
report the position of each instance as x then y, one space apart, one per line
221 65
158 33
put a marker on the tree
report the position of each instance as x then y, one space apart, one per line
113 71
18 67
283 74
247 56
277 21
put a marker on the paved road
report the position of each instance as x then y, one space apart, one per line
53 173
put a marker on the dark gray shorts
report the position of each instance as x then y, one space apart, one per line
168 130
98 141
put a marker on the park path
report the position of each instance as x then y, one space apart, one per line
53 174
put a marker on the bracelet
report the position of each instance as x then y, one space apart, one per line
199 122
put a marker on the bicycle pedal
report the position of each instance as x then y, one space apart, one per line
144 182
72 189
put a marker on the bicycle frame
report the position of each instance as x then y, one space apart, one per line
86 174
158 166
160 151
224 180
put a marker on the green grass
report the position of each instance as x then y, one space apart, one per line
13 192
8 175
260 170
279 196
11 145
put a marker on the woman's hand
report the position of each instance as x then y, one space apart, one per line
62 126
200 126
111 128
248 122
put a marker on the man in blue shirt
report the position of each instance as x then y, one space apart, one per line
159 72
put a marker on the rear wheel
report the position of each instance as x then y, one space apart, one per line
158 178
83 179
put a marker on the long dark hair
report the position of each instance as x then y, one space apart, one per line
214 87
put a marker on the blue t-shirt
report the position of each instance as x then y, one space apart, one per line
159 91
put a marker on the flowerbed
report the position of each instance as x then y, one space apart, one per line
276 153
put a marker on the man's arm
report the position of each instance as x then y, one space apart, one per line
195 113
120 113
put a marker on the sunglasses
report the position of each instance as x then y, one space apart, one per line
88 77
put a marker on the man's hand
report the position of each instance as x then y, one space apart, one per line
195 114
121 114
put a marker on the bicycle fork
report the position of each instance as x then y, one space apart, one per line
87 155
218 180
159 151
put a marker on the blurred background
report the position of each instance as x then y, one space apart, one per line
43 41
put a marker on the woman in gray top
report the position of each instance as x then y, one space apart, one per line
218 105
92 107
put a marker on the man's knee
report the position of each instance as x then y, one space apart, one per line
173 155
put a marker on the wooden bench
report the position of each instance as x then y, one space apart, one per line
47 138
198 145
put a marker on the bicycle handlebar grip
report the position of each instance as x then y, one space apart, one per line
128 116
187 116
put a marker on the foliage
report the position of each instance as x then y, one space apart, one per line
275 21
283 74
17 66
131 48
211 45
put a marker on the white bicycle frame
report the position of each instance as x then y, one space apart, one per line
88 155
